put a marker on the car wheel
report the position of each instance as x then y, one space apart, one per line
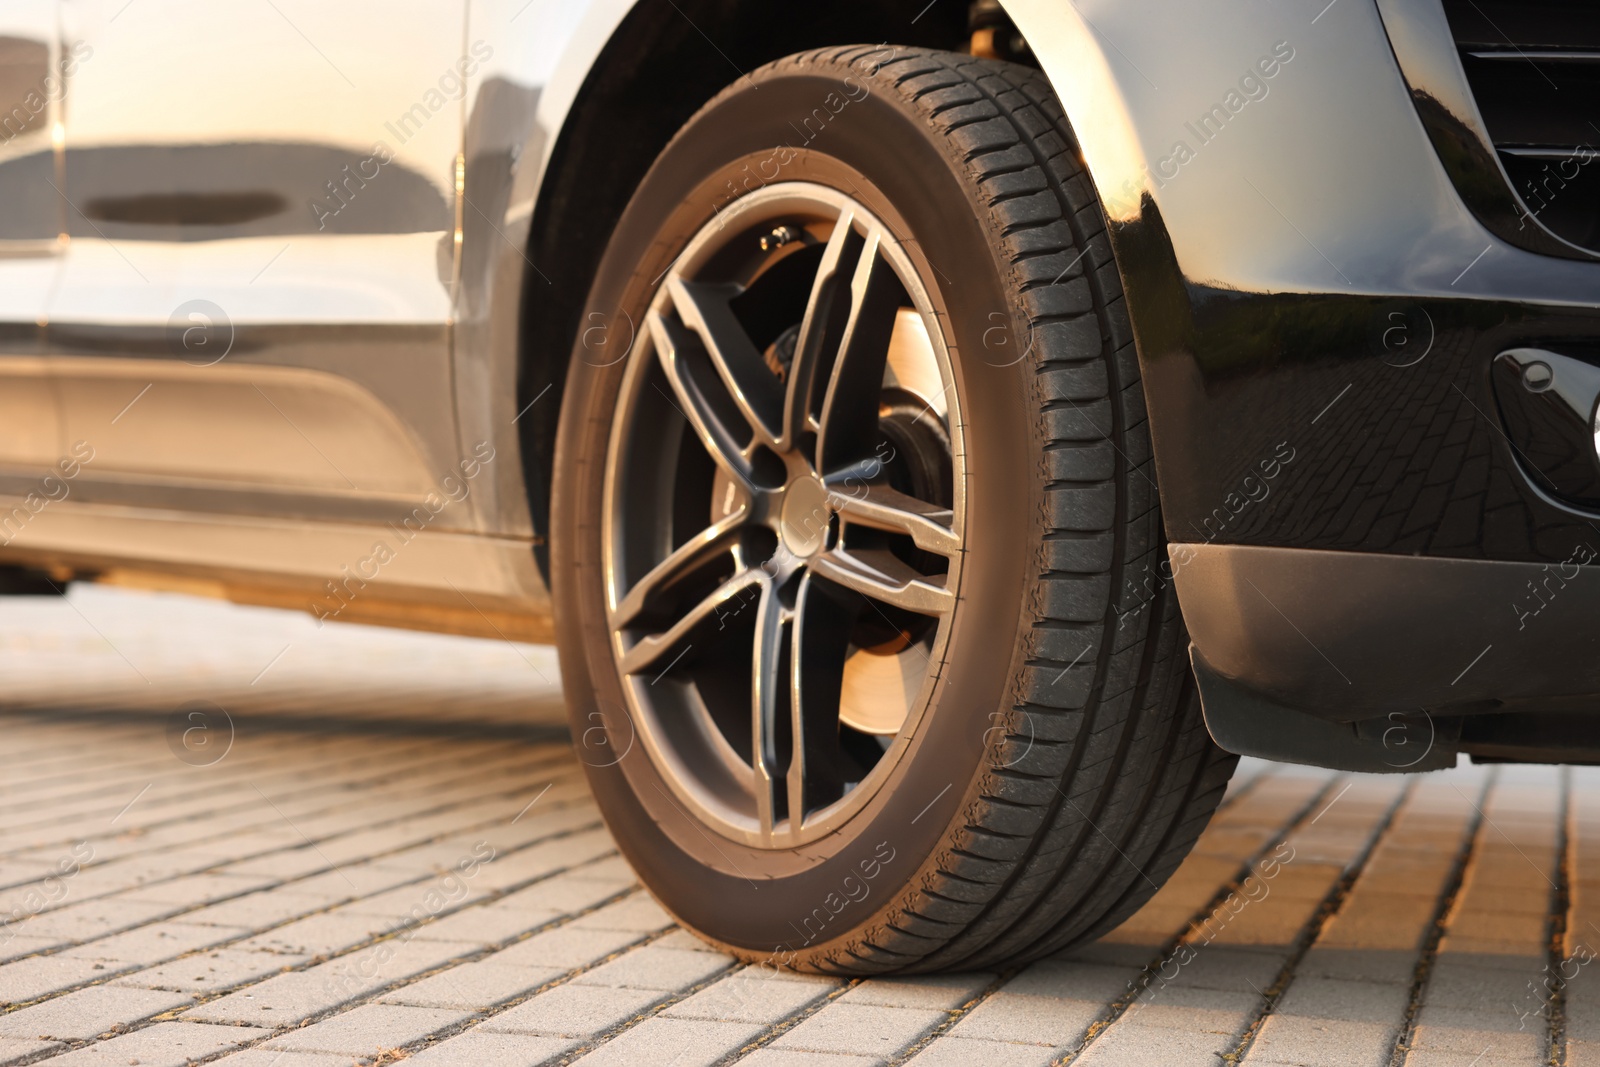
856 543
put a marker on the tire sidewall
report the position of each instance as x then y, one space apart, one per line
798 904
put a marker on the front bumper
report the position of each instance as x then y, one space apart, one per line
1388 663
1347 636
1318 312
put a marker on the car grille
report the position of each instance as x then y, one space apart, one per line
1534 68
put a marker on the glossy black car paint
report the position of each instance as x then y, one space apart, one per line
1353 534
1382 401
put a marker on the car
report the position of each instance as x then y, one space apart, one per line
941 437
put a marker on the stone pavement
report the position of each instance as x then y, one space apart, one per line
227 836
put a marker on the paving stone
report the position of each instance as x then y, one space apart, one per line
472 986
674 1042
88 1012
1583 1053
408 901
638 913
926 991
963 1052
1360 965
1230 968
861 1030
486 925
1135 1044
321 935
1006 1016
1069 981
1345 1001
1381 921
481 1049
367 1030
788 1057
1519 935
1112 952
13 1049
154 944
1503 1048
1464 1030
260 1057
287 999
284 863
1460 983
612 868
1448 1058
1194 1008
1322 1042
258 909
683 939
1582 1025
573 1011
566 893
95 918
33 977
513 871
396 804
172 1044
19 946
651 967
209 972
364 880
204 888
754 995
565 948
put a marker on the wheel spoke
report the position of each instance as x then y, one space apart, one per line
879 574
883 508
766 684
726 601
822 328
682 564
849 426
742 583
822 623
705 309
695 405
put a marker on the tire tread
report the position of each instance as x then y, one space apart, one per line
1103 776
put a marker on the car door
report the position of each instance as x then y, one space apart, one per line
254 314
32 82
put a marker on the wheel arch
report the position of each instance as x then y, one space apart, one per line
641 69
657 66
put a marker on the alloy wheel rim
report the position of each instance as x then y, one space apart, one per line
784 515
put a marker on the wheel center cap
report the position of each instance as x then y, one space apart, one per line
803 523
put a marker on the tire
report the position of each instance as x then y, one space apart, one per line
1052 768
